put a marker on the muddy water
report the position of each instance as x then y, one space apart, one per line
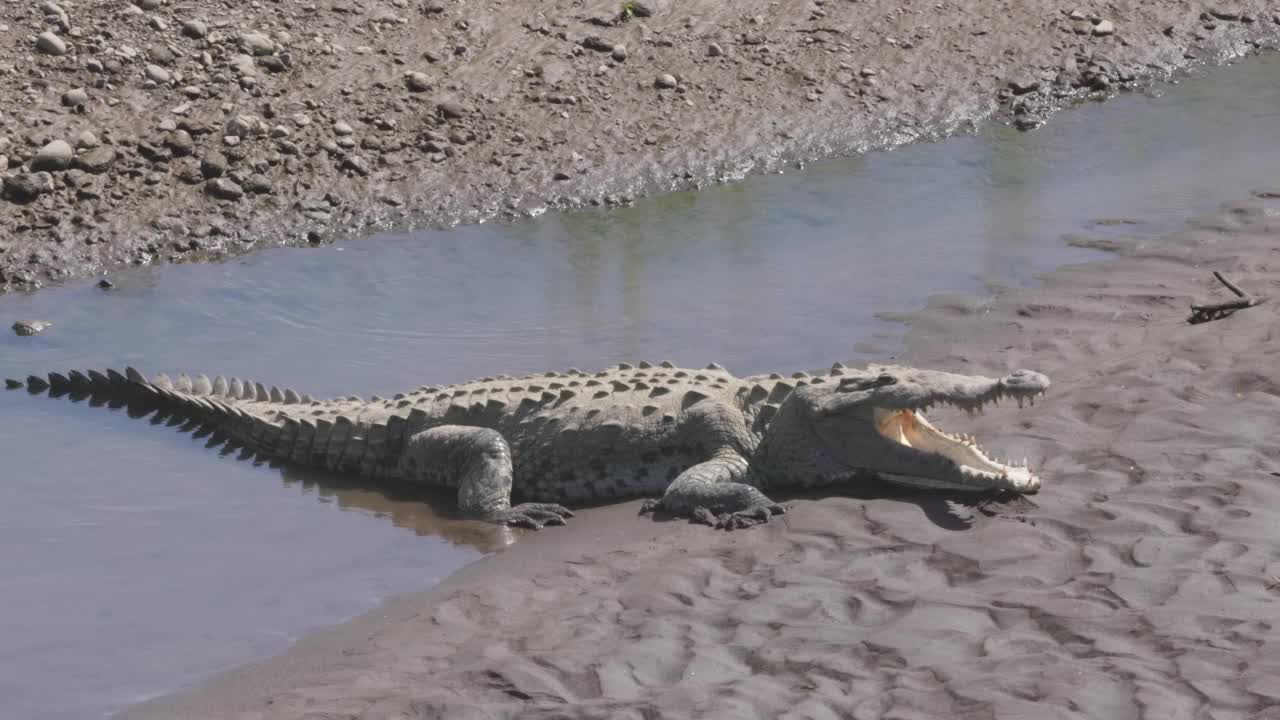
133 560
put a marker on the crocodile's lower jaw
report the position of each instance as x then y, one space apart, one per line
910 429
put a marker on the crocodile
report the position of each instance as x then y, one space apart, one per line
697 443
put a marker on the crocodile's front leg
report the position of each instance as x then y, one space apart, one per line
713 492
478 461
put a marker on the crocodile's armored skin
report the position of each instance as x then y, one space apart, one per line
700 443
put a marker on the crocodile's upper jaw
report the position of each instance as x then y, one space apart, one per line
975 468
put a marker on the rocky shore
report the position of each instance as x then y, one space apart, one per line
173 130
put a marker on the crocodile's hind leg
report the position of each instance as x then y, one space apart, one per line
478 461
713 493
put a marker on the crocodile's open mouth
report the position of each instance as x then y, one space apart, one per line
910 429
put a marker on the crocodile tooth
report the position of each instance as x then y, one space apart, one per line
220 386
714 366
200 385
78 379
309 400
182 383
644 364
291 397
58 380
134 375
98 378
162 381
260 392
666 364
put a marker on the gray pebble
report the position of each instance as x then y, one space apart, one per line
25 187
97 160
417 82
75 97
31 327
53 157
451 110
665 81
195 29
157 74
224 189
257 44
50 44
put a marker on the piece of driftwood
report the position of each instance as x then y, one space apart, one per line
1217 311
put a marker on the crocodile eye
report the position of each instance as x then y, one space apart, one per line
858 384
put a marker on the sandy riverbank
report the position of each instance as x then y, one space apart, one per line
1137 583
174 131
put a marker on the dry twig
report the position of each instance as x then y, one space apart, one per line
1217 311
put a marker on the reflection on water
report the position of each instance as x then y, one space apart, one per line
135 560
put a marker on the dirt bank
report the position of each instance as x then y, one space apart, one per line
160 131
1141 581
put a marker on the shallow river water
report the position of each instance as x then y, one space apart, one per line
134 561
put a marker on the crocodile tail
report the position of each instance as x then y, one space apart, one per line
234 412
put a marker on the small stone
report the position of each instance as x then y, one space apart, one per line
224 189
31 327
241 126
53 157
25 187
180 142
451 110
665 81
714 50
195 29
87 140
75 97
619 52
257 44
50 44
105 284
356 164
342 129
148 4
1104 28
98 160
157 74
1024 85
257 184
417 82
213 165
597 43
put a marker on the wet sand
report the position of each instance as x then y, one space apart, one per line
151 132
1140 582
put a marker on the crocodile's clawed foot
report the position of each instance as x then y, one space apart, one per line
758 515
534 516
